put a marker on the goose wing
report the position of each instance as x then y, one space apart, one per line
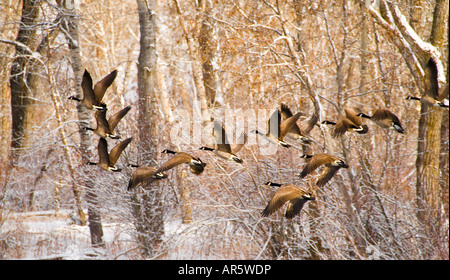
142 174
101 86
351 114
327 173
384 115
282 195
102 123
240 143
342 125
102 149
86 86
221 138
117 150
176 160
309 125
115 119
286 113
287 124
294 207
316 161
431 84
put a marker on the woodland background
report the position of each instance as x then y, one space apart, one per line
315 56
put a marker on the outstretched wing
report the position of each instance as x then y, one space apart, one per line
86 86
103 155
115 119
117 150
221 138
282 195
101 87
240 143
327 173
287 124
294 207
178 159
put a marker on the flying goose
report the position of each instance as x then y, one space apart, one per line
92 96
144 175
295 196
278 129
107 161
385 119
196 164
105 128
350 122
224 149
332 165
432 96
430 101
299 132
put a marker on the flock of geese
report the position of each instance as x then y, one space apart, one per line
282 123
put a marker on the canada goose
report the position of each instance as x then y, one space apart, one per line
294 195
196 164
332 165
92 96
385 119
299 132
105 128
432 97
224 149
144 175
428 100
107 160
278 129
351 122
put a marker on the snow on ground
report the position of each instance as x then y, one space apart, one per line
46 235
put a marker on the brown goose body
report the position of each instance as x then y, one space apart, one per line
107 161
224 149
93 95
295 196
385 119
299 132
332 165
196 164
429 101
144 175
278 129
105 128
350 122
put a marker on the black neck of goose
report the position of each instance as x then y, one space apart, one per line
364 116
273 184
329 122
74 98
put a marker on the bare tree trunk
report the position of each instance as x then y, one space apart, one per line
196 67
208 48
183 187
428 160
20 76
148 209
416 53
84 115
